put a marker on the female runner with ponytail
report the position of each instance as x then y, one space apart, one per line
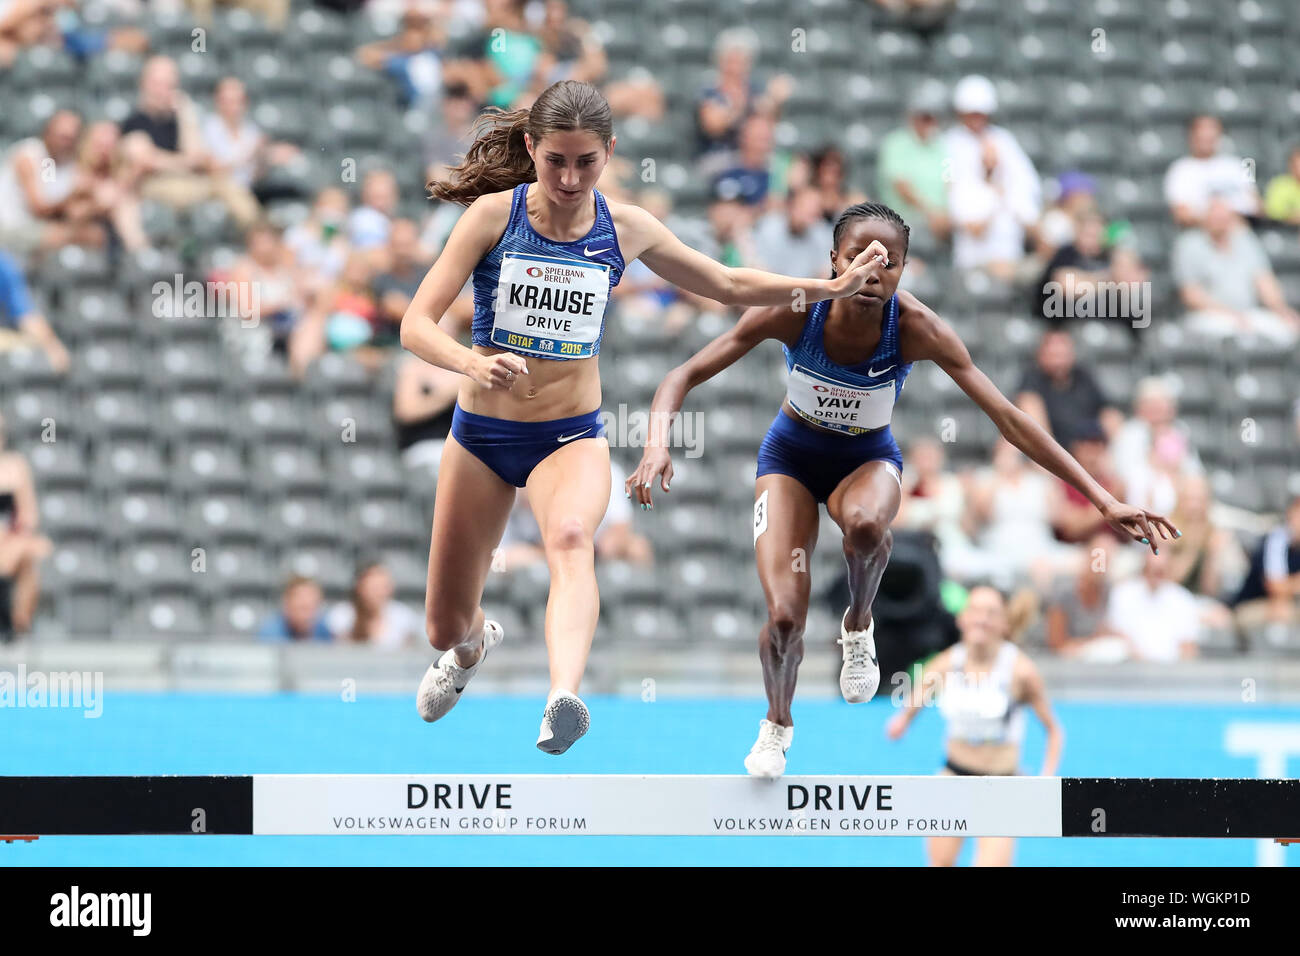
544 249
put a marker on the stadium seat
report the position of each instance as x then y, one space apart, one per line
290 521
119 413
239 616
234 568
132 515
225 518
171 615
70 515
325 564
58 466
386 524
133 466
90 605
194 415
278 469
207 466
152 567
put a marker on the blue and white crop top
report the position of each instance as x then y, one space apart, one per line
536 296
850 399
979 708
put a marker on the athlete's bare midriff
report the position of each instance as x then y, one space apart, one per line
550 390
985 758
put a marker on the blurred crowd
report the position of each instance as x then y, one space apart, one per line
339 279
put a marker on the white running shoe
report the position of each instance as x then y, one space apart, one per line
445 679
767 756
860 673
564 721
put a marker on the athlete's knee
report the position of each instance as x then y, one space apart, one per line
568 535
866 530
785 622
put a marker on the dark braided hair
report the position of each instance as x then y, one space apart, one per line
869 210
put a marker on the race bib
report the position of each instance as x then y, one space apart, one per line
760 515
846 408
975 713
549 307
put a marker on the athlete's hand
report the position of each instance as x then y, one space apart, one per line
655 463
1139 524
855 276
896 727
497 371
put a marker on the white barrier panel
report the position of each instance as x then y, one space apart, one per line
685 805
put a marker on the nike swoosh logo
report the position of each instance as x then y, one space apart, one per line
459 689
564 438
873 373
874 662
586 251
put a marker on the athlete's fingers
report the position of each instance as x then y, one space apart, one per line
627 484
668 475
502 373
515 363
634 484
1167 524
1161 524
654 472
862 260
1137 526
874 254
1128 527
1149 536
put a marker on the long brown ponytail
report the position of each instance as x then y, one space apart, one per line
498 158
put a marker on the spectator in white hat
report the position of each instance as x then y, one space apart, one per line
995 194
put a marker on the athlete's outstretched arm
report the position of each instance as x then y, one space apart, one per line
780 322
1035 695
473 235
926 336
649 240
928 684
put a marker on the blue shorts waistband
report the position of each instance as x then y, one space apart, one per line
487 427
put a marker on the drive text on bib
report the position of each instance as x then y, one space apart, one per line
831 404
